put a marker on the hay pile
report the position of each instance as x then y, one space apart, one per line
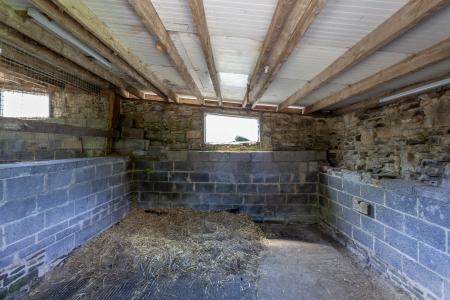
167 243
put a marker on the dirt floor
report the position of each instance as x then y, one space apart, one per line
294 263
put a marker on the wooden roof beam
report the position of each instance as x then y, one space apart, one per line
413 63
289 23
84 16
65 21
199 16
26 27
405 18
150 18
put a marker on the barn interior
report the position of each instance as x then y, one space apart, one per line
212 149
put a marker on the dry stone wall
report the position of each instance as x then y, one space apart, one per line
409 140
147 126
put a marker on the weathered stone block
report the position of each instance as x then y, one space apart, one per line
435 260
425 232
435 211
262 156
373 227
225 188
401 242
23 187
240 156
219 156
268 188
204 187
389 217
15 210
58 180
363 238
178 176
388 254
199 177
182 187
59 214
423 276
403 203
133 133
23 228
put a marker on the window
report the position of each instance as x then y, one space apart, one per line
221 129
16 104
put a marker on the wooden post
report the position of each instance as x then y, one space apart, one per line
113 117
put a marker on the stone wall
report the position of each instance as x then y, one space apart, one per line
406 235
148 125
409 140
69 108
269 186
48 208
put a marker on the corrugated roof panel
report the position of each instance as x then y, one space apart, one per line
175 14
434 71
430 31
342 23
321 93
239 18
306 61
235 55
237 29
121 19
188 45
280 89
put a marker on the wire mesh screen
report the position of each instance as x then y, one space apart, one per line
38 76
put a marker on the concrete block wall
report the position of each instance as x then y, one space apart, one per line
406 235
276 186
48 208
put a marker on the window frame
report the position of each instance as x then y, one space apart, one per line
257 118
48 94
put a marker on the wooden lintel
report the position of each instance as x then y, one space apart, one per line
14 124
405 18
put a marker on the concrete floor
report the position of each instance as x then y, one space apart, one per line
299 263
302 263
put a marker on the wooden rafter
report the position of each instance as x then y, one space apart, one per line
9 17
150 18
84 16
413 63
289 23
199 16
58 16
405 18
